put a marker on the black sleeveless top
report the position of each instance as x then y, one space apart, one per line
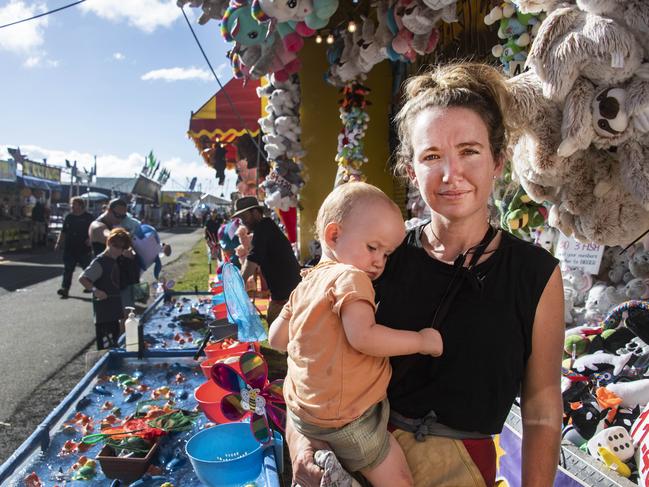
487 331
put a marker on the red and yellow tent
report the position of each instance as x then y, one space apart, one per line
218 121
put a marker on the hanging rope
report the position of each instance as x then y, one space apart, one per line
42 15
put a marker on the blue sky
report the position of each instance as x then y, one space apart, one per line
112 78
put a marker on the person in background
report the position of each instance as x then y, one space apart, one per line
75 243
116 216
102 278
496 300
271 252
212 226
40 227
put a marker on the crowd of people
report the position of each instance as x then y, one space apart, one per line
105 248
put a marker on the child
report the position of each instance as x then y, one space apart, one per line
338 369
102 277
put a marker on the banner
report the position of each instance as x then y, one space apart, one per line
41 171
508 454
8 171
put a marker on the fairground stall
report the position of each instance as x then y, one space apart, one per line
576 182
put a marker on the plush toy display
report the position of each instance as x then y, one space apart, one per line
351 156
281 127
516 29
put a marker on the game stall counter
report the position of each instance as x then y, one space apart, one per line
176 321
53 452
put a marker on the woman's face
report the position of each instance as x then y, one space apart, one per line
452 165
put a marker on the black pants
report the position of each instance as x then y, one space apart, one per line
107 334
70 262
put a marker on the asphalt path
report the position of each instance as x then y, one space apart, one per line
40 332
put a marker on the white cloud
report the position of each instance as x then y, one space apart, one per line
177 74
40 61
111 165
146 15
118 56
22 38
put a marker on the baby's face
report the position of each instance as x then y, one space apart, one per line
368 235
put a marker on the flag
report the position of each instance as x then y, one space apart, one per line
192 185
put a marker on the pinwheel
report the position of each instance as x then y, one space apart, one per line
251 395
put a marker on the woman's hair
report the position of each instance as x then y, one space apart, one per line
478 87
119 237
341 201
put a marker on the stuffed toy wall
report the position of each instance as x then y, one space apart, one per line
320 127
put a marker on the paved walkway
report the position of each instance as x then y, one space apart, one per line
39 332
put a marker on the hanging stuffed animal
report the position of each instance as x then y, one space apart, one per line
571 42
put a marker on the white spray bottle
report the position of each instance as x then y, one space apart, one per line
132 325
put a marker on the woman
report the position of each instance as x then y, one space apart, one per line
496 300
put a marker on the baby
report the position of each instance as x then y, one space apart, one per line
338 368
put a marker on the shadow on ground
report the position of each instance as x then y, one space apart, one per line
16 276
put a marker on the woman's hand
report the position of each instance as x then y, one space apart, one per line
305 472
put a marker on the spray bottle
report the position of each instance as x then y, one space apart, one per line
132 326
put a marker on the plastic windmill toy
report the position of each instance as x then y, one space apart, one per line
251 395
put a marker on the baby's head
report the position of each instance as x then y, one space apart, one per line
359 225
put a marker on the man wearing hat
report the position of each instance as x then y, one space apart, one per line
271 251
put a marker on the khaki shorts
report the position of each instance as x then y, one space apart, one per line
439 461
363 443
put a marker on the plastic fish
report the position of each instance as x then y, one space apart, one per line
102 390
134 396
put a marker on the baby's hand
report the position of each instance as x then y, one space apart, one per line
431 342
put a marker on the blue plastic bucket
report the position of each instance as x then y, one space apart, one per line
225 455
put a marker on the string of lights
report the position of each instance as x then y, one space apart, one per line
42 14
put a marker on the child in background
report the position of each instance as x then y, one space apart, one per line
102 277
338 368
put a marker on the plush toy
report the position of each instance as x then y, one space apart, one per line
212 9
618 265
596 361
148 248
639 263
605 115
520 214
635 393
400 49
572 43
602 299
634 14
372 50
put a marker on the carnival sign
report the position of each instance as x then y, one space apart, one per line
41 171
574 254
8 171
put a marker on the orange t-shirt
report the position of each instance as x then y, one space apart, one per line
329 383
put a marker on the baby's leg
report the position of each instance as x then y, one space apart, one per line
393 471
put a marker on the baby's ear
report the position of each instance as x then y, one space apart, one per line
331 234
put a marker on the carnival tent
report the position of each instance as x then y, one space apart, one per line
217 120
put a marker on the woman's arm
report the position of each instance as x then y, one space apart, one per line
541 403
305 472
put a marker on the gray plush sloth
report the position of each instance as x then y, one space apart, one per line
605 116
572 43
